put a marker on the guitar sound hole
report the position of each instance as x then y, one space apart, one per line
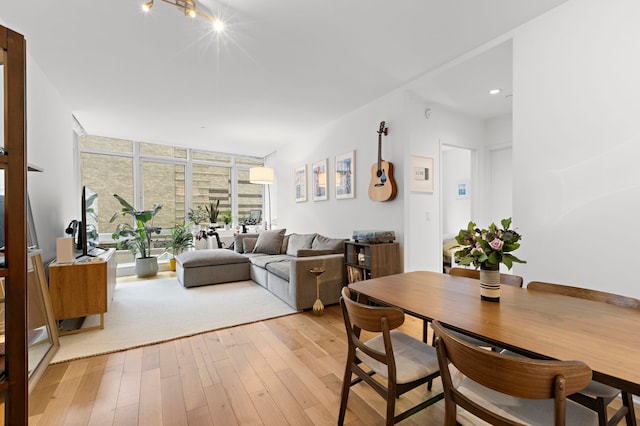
379 173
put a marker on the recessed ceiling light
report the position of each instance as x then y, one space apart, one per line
494 91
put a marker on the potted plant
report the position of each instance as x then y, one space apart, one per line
487 249
226 217
198 215
137 238
213 210
180 239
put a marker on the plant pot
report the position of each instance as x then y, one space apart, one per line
146 267
172 264
490 283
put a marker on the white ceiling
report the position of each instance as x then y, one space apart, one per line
282 68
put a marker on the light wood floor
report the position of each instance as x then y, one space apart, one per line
282 371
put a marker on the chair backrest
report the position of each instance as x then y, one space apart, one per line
516 376
585 293
358 316
370 318
506 279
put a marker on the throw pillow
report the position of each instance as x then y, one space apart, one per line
249 244
269 242
299 242
238 241
285 243
321 242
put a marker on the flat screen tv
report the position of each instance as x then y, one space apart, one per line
88 227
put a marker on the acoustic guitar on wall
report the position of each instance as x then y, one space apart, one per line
382 186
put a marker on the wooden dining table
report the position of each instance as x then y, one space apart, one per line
533 323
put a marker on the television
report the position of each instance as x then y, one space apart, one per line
88 237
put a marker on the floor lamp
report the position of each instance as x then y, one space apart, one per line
264 176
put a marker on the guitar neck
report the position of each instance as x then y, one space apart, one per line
380 152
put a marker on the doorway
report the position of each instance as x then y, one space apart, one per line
457 186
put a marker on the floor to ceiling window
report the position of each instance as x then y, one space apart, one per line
178 178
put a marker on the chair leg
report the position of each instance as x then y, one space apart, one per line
627 401
391 409
425 332
601 409
346 385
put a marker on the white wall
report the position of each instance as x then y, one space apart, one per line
500 166
499 131
410 133
423 237
577 144
357 131
53 193
500 173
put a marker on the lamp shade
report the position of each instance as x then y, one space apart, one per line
263 175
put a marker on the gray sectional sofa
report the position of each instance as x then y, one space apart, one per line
281 263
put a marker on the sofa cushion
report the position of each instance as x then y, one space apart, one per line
262 260
249 244
208 257
321 242
285 243
299 242
270 242
280 269
237 241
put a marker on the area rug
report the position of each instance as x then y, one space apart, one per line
153 311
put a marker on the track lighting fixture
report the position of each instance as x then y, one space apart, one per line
189 9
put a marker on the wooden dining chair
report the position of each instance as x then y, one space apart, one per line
506 279
403 361
597 396
507 390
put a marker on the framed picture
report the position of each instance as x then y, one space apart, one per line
319 174
421 178
462 189
300 182
345 175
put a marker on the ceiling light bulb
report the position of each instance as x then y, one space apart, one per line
147 6
218 25
494 91
191 13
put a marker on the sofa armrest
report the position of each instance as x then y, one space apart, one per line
303 282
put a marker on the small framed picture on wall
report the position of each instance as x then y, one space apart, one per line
319 176
300 183
462 189
421 177
345 175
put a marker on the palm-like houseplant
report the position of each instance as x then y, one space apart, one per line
137 238
180 239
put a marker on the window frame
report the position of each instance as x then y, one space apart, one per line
138 160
